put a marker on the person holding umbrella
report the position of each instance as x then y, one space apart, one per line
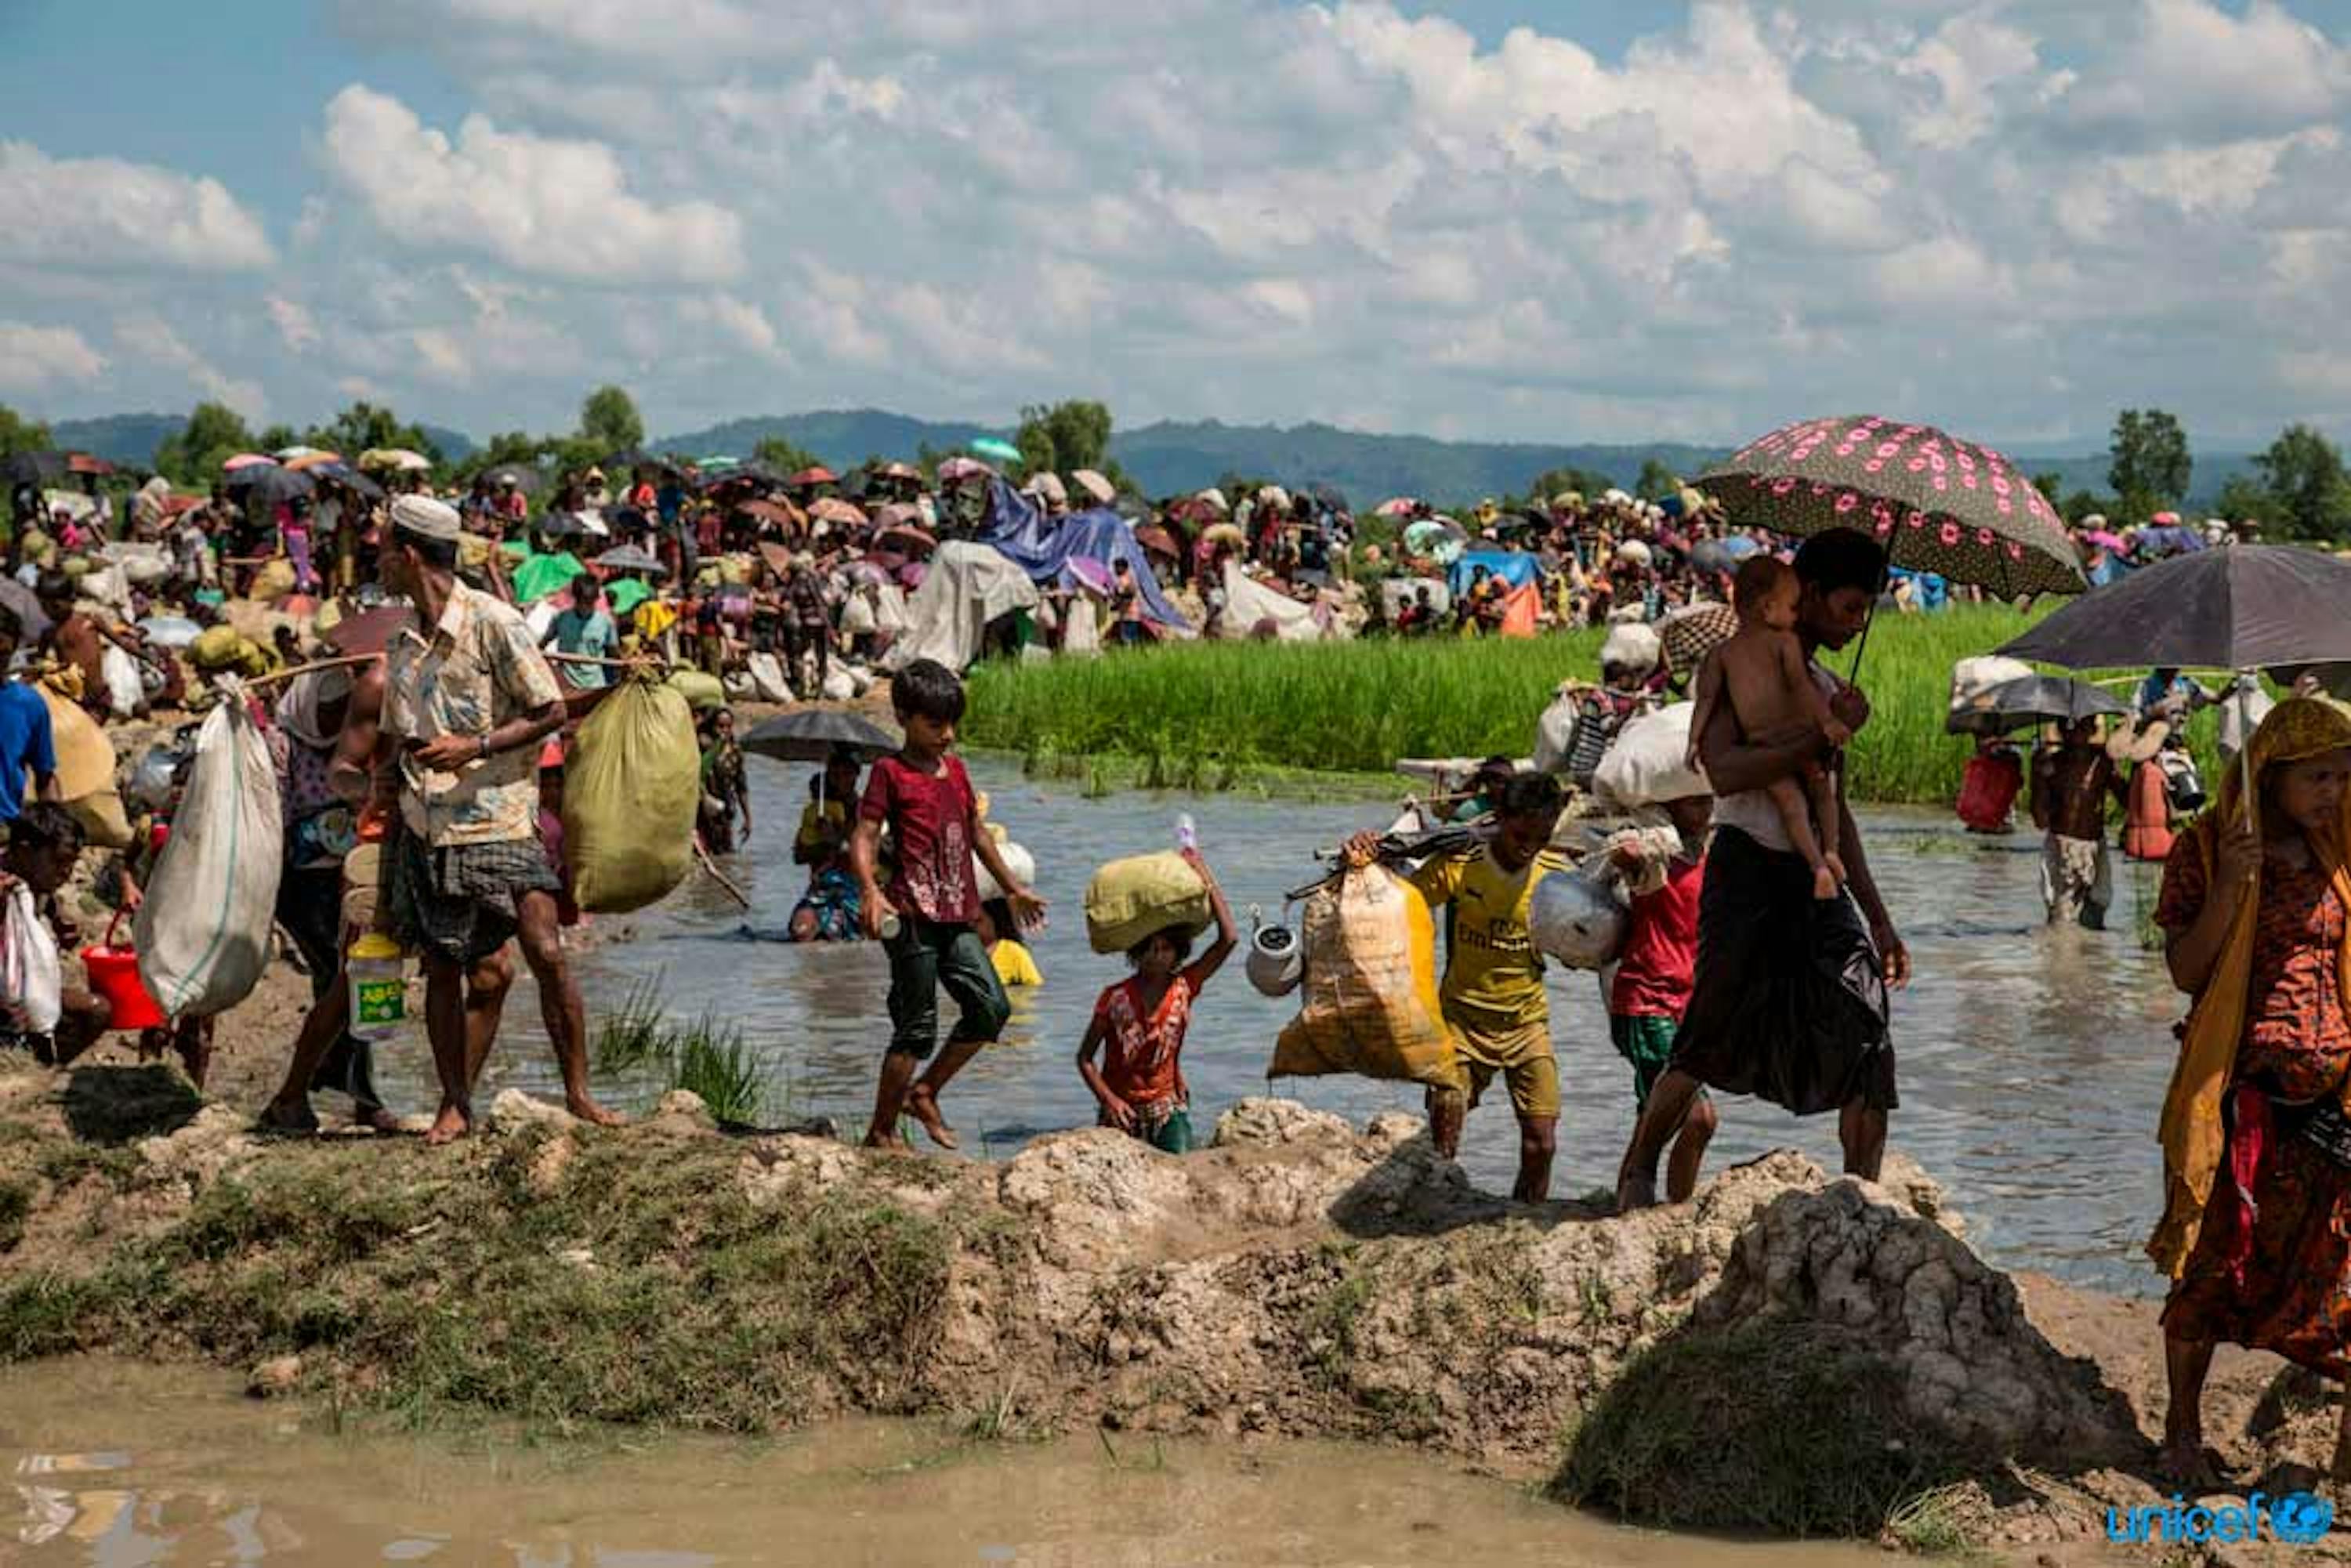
1789 995
2256 1228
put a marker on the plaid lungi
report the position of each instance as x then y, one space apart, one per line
461 901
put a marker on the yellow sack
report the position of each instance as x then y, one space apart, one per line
702 690
1371 1004
274 581
1129 900
85 756
632 781
104 823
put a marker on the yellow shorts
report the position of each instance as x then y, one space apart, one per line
1521 1052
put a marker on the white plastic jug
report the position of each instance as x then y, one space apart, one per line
379 977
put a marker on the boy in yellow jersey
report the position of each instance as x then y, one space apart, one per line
1493 988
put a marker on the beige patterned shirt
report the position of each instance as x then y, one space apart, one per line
480 668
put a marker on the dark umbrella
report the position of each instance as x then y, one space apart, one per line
2031 699
32 619
562 525
2242 608
270 483
1937 503
349 478
369 630
36 467
521 476
627 557
812 734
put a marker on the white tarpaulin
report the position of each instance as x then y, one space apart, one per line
968 586
1250 605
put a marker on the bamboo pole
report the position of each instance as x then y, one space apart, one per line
712 867
344 662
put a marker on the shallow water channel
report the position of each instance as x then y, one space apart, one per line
2032 1062
112 1466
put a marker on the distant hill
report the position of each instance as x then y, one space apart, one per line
131 438
120 438
455 444
1171 457
841 437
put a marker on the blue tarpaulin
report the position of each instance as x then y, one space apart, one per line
1043 547
1515 568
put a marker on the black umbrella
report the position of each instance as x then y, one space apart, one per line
36 467
627 557
1937 503
562 525
2242 608
270 483
812 735
349 478
2031 699
521 476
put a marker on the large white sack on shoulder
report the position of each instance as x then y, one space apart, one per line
1647 763
28 964
1017 860
1971 678
1555 731
1634 646
202 931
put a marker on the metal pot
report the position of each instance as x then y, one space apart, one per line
1277 960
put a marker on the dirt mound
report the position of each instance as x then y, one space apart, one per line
1788 1351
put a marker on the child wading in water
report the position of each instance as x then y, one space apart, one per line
1651 988
1139 1024
926 920
1761 669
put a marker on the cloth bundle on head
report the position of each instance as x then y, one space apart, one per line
2191 1133
298 709
425 517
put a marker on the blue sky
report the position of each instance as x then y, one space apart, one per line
1606 220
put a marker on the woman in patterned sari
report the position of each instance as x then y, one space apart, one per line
2256 1231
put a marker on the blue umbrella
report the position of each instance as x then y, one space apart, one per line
1002 451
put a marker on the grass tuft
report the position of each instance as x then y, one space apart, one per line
1775 1426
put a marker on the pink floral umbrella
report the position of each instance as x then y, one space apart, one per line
1937 503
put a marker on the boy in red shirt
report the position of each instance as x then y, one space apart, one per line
926 920
1652 984
1139 1024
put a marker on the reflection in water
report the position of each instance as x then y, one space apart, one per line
2032 1062
219 1479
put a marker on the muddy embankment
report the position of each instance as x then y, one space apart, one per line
1788 1352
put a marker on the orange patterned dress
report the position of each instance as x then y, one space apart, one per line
2271 1268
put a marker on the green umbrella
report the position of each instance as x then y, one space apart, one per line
627 594
1002 451
542 575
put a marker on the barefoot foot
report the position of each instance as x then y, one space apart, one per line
595 1116
1635 1192
2187 1463
450 1125
923 1105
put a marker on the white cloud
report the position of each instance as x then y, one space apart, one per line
295 323
150 338
542 206
38 359
110 213
2009 215
2191 69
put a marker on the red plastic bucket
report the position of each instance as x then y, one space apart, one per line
114 975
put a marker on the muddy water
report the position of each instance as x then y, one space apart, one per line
2032 1064
110 1465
